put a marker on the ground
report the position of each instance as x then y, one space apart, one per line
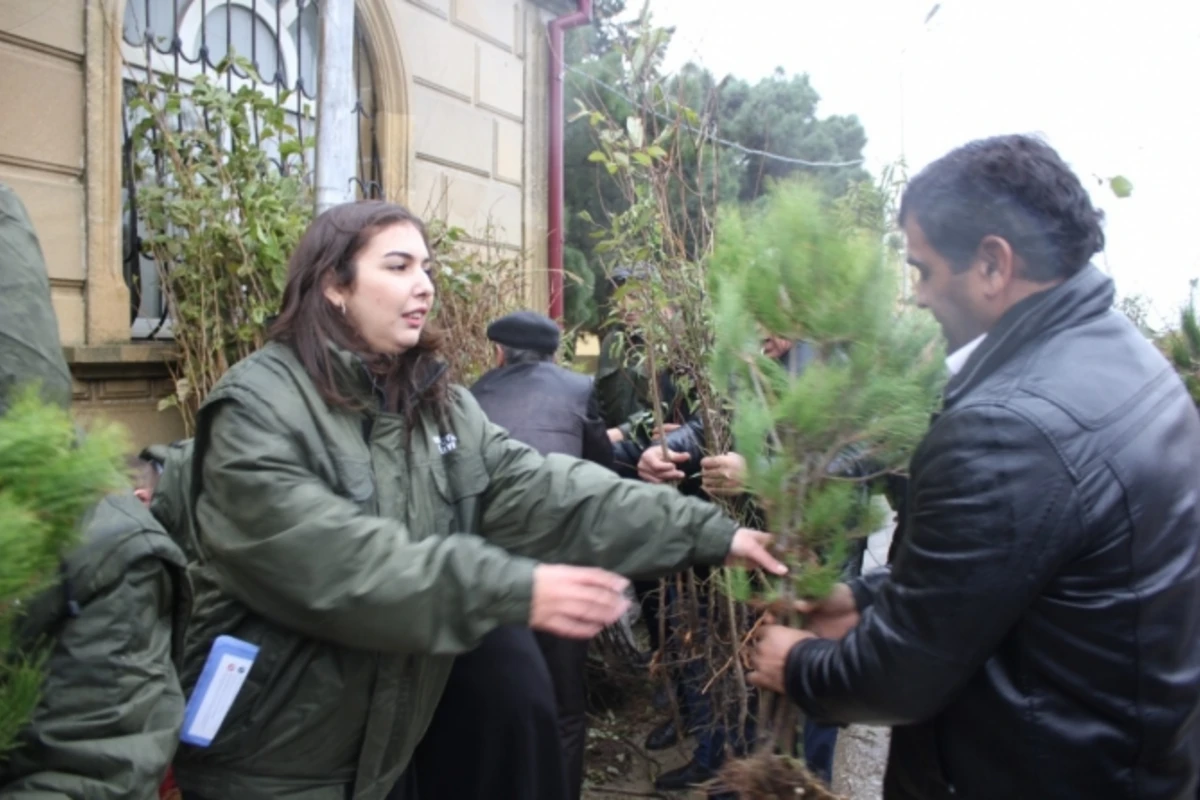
618 766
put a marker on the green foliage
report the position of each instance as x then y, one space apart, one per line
792 270
221 215
48 479
778 114
1182 347
579 292
1121 186
618 76
660 170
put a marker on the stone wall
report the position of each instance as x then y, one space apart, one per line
42 139
463 85
477 113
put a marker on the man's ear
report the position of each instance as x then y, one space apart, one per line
144 494
499 351
996 263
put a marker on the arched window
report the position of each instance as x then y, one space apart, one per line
187 38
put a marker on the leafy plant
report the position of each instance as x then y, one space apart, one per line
1182 347
223 195
48 478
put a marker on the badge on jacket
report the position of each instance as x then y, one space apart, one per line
224 673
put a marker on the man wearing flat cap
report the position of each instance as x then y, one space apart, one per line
517 715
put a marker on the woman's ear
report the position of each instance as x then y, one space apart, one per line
336 296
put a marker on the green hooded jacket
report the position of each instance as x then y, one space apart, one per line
361 556
111 706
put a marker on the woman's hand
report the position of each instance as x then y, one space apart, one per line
749 549
576 602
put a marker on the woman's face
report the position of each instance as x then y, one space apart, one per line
391 295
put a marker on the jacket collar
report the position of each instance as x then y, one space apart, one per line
353 375
1083 297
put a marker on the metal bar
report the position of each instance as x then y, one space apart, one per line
299 82
228 46
254 39
337 139
204 65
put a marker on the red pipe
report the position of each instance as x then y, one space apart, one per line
556 29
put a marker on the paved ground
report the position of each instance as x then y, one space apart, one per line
862 751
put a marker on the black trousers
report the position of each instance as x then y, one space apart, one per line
495 734
566 660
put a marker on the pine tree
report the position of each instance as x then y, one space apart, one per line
791 270
49 477
1182 346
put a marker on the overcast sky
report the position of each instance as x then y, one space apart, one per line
1114 86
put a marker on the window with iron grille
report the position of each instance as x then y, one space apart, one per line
188 38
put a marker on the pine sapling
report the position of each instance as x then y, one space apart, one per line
49 477
815 441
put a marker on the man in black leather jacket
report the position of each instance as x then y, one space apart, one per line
1038 634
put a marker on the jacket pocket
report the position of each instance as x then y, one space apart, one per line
238 730
461 479
357 480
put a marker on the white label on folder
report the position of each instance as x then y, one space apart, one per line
224 673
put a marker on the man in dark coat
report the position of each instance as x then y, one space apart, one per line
1038 634
514 716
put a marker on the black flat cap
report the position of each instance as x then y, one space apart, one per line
525 330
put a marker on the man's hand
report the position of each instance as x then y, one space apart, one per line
615 435
659 433
653 467
833 617
749 549
768 656
723 475
576 602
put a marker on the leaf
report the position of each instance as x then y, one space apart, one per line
597 156
1121 186
643 159
637 134
654 151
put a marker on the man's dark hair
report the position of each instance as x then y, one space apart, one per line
1015 187
517 355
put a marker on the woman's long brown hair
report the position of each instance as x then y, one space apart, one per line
308 322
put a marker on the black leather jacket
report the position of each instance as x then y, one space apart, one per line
1038 635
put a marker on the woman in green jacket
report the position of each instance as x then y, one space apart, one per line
360 521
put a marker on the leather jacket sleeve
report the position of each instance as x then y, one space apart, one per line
995 515
689 438
596 446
